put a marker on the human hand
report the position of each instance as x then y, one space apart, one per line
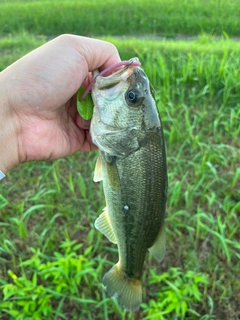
38 114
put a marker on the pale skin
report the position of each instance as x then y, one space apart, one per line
38 114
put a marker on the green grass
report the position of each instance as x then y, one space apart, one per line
13 47
47 210
108 17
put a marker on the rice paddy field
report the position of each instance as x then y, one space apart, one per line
52 259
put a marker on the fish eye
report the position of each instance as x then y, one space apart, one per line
133 97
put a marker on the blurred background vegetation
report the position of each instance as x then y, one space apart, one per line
51 258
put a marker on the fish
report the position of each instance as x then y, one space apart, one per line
127 129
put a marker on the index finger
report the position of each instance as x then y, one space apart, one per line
98 54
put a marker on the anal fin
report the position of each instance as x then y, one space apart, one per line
159 247
103 224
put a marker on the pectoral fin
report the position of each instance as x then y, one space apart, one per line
112 175
98 171
103 224
158 248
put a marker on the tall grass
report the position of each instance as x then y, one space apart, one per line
47 210
109 17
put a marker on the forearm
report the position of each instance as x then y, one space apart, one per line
8 130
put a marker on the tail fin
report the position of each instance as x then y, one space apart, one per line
128 291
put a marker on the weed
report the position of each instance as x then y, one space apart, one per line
44 286
179 291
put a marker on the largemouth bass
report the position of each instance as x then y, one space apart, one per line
127 129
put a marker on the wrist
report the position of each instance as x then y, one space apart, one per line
8 130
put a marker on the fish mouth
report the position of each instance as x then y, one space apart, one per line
106 82
96 74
